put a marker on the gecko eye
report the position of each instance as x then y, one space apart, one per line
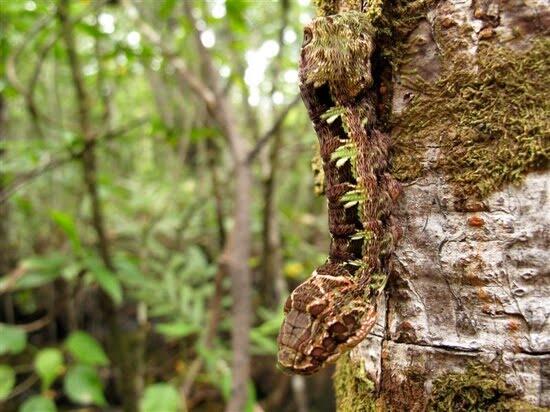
308 35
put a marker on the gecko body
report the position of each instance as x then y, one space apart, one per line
334 309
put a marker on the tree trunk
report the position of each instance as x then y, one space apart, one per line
8 250
464 322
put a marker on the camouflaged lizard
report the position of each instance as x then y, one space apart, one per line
334 309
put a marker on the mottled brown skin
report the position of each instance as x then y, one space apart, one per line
325 316
334 309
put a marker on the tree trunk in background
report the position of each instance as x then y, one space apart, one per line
464 322
7 251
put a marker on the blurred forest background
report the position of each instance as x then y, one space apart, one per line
155 170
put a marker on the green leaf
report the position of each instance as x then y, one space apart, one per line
160 397
12 339
366 235
251 398
332 118
341 162
201 133
82 385
356 262
90 29
41 270
236 10
67 224
107 280
38 404
176 329
85 349
224 384
354 195
7 380
262 344
166 8
332 114
345 153
48 364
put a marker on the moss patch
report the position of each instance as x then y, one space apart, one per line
394 20
326 7
491 124
354 391
477 389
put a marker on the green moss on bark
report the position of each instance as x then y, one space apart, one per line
489 118
354 391
478 388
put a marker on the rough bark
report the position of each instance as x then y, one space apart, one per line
467 308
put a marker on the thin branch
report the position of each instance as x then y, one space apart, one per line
12 61
272 131
23 386
178 63
22 179
10 280
102 87
29 97
37 324
11 73
11 64
122 130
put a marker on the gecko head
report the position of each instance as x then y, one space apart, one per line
337 50
324 316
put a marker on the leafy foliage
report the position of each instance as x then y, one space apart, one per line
83 385
48 364
160 397
85 349
38 404
164 212
7 380
12 339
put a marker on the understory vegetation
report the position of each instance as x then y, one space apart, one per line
117 196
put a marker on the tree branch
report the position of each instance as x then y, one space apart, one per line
11 64
9 281
19 181
177 62
12 61
272 131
